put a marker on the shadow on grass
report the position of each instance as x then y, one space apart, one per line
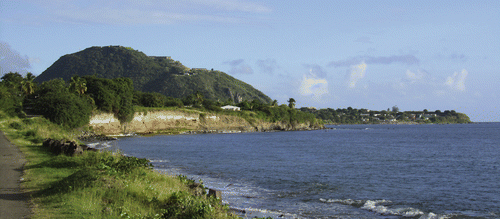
51 161
78 180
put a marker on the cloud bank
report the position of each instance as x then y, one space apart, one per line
12 61
238 66
267 66
383 60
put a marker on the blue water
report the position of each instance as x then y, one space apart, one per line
352 171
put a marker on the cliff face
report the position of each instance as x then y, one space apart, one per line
153 121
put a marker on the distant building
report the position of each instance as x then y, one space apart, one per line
229 107
161 57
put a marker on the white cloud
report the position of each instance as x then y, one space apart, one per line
313 84
356 73
313 87
457 80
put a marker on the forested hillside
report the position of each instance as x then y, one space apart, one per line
151 74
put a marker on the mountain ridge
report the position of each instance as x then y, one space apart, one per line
159 74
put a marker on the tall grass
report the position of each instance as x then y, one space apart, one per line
101 184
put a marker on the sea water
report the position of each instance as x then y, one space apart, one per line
349 171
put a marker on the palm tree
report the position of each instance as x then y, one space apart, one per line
78 84
291 103
275 103
27 84
199 97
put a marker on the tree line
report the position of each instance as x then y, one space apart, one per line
364 116
71 103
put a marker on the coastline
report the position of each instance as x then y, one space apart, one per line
179 122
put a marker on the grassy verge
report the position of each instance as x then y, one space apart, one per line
101 184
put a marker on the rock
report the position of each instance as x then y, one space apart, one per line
215 193
69 148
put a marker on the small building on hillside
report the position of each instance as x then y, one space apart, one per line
229 107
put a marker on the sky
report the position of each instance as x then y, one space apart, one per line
416 55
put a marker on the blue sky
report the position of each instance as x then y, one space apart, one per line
365 54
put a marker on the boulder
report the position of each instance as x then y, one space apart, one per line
69 148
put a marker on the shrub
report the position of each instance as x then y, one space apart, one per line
112 95
16 125
64 108
28 121
30 133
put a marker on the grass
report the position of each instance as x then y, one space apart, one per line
101 184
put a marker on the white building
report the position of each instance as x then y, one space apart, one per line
229 107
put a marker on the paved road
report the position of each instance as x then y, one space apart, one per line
13 202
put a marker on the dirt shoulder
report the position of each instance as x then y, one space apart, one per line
13 201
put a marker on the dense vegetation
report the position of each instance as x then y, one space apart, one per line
364 116
151 74
71 104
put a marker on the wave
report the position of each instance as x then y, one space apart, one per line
159 161
384 207
261 213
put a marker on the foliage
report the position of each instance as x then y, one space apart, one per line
152 99
8 101
291 103
78 85
11 95
270 113
151 74
363 116
64 108
112 95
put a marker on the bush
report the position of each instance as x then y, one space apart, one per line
30 133
112 95
28 121
64 108
16 125
185 205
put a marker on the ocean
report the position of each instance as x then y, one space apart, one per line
349 171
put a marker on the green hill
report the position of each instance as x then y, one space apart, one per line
151 74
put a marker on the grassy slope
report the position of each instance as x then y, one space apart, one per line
100 185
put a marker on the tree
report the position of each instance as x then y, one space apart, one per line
7 102
112 95
199 96
61 106
27 84
11 95
291 103
274 103
395 109
12 80
78 85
